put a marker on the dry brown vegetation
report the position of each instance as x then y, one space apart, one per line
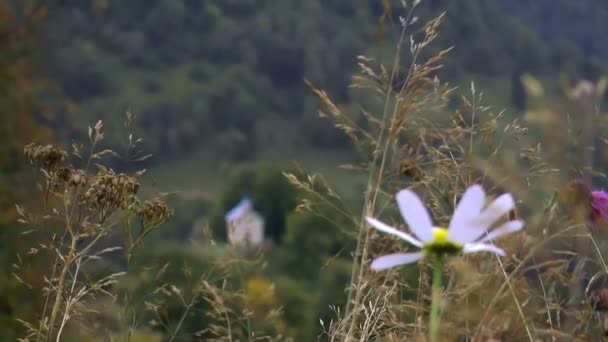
549 285
85 205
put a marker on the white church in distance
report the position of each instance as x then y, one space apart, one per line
245 225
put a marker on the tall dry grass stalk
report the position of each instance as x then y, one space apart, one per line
550 284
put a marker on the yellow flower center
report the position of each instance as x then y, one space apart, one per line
441 244
441 236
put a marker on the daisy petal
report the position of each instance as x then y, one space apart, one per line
498 208
468 208
415 215
507 228
397 259
383 227
482 247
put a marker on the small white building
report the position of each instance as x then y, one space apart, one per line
245 225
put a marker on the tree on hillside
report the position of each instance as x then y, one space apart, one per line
21 86
214 72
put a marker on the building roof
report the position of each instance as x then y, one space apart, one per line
241 209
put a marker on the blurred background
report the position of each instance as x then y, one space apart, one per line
218 92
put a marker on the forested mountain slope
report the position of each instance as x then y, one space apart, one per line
230 72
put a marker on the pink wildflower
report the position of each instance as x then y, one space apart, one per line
599 205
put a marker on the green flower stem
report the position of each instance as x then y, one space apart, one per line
436 299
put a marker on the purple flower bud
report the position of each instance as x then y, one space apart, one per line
599 204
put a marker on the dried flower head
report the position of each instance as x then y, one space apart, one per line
47 157
599 300
110 191
77 178
155 212
64 173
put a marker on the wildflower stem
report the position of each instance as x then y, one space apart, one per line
436 299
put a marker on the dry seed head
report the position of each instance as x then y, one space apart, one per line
64 173
47 157
599 300
110 191
409 167
77 178
131 203
584 91
155 212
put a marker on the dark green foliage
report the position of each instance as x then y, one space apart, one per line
272 195
23 85
218 282
518 93
299 307
574 21
167 266
308 302
311 264
210 72
217 66
308 232
333 280
180 228
316 258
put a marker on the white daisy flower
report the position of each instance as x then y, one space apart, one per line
464 234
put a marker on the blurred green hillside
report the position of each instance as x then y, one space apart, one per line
230 74
218 83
